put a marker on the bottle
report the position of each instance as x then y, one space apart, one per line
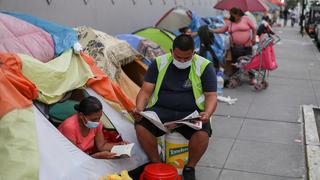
220 82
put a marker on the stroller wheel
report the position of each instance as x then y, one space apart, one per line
234 82
259 86
265 84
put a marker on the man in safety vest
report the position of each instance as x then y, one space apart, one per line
177 84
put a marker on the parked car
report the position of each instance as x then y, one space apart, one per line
317 34
312 19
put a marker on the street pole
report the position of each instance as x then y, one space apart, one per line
302 17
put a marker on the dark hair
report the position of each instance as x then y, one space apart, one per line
89 105
205 35
183 42
237 11
184 29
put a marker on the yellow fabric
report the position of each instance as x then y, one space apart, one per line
19 153
123 176
67 72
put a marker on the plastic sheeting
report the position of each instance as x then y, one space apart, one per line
53 79
19 152
63 37
18 36
16 90
108 52
220 39
106 88
132 39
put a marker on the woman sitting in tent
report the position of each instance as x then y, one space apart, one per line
84 129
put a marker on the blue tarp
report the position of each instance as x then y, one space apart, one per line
134 42
214 22
132 39
63 37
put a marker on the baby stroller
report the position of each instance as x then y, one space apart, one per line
260 63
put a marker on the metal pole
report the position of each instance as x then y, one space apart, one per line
302 17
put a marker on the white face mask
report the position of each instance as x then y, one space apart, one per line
181 65
91 124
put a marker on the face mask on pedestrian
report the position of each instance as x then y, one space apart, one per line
182 65
91 124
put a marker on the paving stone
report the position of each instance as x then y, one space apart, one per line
267 158
275 112
270 131
238 175
216 153
203 173
226 127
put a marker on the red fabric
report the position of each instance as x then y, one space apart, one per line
16 90
277 2
105 87
268 60
70 129
111 136
244 5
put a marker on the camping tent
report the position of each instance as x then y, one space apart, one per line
30 145
160 36
175 18
179 17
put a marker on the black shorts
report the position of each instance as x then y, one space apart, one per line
184 130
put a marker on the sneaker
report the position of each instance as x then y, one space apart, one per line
188 173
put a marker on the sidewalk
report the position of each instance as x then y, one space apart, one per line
259 138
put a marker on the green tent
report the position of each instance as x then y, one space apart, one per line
162 37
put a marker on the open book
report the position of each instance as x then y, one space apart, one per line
123 150
191 120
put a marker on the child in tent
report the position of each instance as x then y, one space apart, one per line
84 129
188 31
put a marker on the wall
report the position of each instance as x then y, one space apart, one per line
121 17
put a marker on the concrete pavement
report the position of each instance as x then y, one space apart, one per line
260 137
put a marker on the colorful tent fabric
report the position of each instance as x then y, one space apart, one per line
244 5
60 159
148 49
272 6
64 37
175 18
132 39
162 37
16 90
53 79
108 52
106 88
18 36
19 150
34 149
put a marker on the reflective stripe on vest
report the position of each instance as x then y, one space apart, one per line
198 65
